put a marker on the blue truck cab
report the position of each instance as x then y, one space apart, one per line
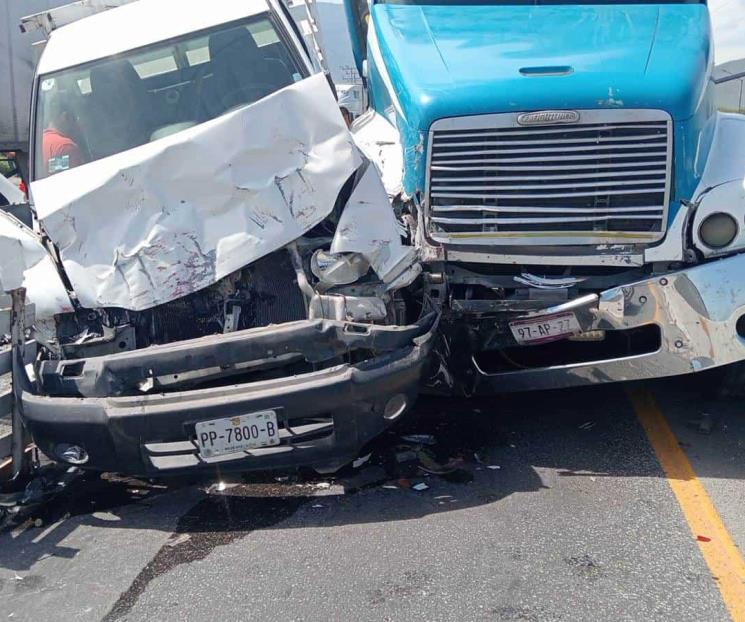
575 196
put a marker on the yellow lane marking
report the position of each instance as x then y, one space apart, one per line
720 552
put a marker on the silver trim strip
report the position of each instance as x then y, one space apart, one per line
563 167
569 176
446 195
653 150
644 182
440 141
547 210
535 221
557 159
586 127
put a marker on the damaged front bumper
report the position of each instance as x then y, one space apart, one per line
325 416
698 315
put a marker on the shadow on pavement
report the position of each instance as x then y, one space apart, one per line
484 450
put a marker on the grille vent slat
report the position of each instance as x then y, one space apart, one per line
606 177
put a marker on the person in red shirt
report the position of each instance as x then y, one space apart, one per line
59 150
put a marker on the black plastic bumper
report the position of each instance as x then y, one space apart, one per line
325 416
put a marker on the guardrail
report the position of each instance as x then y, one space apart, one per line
15 316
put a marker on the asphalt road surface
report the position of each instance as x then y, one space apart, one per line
555 506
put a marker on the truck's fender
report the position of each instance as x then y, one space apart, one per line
722 185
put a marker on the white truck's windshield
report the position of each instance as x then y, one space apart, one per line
114 104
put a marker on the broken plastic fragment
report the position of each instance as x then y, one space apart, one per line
360 461
420 487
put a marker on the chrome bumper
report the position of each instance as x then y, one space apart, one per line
696 309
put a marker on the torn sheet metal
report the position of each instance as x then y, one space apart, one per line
369 226
346 308
380 142
164 220
24 262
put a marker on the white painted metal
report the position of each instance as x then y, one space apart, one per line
177 219
136 25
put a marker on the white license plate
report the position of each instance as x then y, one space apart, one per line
234 434
549 328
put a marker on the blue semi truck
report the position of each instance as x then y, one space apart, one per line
577 199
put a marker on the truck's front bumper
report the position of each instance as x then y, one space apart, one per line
699 312
325 416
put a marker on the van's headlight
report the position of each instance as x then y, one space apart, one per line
338 268
718 230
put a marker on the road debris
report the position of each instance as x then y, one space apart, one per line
406 456
369 476
361 460
420 487
420 439
494 467
704 424
175 540
429 464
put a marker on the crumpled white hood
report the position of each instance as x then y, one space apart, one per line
167 219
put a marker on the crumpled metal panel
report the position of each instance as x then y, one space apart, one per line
368 225
24 262
161 221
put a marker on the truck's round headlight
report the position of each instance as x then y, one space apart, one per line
718 230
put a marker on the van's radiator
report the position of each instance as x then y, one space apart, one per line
603 177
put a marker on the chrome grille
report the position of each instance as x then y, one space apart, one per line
604 179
